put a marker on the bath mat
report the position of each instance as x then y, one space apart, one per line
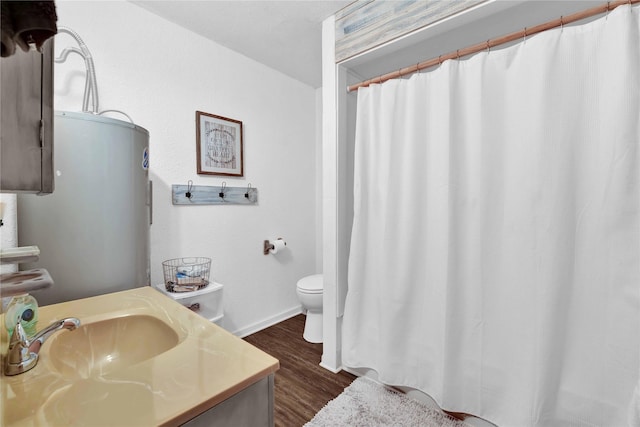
366 403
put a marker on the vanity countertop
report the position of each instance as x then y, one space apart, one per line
205 367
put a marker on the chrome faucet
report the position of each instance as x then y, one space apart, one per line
23 352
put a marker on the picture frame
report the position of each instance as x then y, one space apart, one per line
219 145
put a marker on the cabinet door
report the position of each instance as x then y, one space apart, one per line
26 127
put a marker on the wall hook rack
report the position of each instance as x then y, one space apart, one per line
213 195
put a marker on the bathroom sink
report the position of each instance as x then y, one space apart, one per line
138 358
99 348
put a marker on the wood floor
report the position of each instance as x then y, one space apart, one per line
302 387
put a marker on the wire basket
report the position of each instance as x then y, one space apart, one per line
186 274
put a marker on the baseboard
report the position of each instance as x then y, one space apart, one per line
331 368
270 321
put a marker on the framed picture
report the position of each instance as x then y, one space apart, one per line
218 145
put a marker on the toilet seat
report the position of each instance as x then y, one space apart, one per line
306 291
311 284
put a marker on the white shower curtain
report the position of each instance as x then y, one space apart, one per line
495 260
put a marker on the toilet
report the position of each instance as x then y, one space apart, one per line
309 290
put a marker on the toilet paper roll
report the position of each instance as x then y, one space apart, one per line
278 245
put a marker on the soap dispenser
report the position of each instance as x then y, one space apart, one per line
24 308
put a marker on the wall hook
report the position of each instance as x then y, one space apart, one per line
189 187
248 189
221 193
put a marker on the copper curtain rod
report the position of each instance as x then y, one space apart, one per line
522 34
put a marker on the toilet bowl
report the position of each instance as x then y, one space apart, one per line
309 290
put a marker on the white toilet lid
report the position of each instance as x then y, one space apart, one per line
312 283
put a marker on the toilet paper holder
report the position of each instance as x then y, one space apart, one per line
271 246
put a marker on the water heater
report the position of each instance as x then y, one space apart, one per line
93 230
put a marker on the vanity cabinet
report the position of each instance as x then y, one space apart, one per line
26 122
251 407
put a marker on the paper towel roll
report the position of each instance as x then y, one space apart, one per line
278 245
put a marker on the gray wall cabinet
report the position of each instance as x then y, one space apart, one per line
26 127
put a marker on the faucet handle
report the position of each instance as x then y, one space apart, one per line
18 335
19 357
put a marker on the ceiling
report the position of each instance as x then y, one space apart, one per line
283 35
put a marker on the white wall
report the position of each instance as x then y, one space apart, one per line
318 188
8 232
160 74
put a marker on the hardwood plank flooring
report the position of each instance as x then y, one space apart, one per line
302 387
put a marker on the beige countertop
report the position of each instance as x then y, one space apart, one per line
206 366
